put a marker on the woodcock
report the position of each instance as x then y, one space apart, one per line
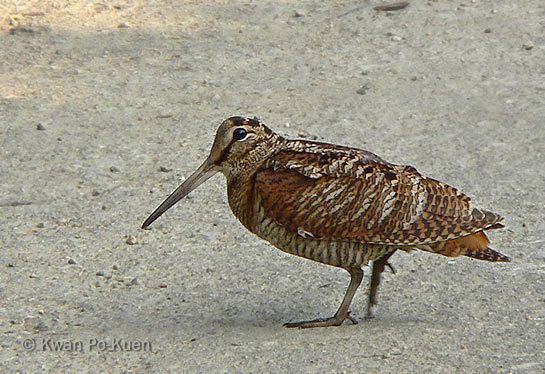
337 205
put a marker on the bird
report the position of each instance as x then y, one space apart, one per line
337 205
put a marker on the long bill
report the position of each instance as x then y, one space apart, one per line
205 171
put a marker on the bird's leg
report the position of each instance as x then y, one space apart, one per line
378 267
342 313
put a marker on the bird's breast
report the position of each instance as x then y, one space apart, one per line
241 198
247 207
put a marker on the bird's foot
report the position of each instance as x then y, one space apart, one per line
336 320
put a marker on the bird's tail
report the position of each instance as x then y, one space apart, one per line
474 245
488 254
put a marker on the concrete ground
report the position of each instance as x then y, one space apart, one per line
106 106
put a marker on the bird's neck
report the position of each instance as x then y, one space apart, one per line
243 167
241 179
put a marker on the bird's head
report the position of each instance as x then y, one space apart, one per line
241 144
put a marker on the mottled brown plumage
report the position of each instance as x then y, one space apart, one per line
337 205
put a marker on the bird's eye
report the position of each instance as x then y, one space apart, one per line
239 133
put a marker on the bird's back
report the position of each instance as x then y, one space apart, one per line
322 195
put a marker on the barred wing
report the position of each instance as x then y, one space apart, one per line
367 202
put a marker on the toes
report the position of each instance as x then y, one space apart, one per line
351 319
321 322
290 325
